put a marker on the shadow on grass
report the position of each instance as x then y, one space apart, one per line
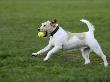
4 56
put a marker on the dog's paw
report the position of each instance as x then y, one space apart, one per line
35 54
87 62
106 64
45 59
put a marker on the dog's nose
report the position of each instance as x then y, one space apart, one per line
38 29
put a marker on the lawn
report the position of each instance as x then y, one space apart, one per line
19 20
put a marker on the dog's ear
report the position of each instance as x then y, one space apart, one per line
54 23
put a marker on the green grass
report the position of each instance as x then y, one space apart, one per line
19 20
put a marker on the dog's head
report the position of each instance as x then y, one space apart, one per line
48 27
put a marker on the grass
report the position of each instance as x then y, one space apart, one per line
19 20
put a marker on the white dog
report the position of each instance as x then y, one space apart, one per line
61 39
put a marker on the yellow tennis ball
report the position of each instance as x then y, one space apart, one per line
41 34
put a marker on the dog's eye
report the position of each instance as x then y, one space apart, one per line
44 25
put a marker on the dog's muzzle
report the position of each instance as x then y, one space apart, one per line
51 34
46 33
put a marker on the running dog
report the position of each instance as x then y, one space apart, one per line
61 39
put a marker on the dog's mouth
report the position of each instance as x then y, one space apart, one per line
49 33
45 33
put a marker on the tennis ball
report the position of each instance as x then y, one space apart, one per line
41 34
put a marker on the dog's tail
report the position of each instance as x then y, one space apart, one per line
90 26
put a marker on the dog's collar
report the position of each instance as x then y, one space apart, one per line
54 31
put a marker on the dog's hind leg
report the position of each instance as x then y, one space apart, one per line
85 53
94 45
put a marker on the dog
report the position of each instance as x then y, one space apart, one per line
61 39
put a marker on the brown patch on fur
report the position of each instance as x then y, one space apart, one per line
81 36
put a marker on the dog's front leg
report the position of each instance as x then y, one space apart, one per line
42 50
54 50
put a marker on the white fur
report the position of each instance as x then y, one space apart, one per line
65 40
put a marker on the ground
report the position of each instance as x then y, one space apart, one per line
19 20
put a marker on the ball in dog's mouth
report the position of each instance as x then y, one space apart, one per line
41 34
